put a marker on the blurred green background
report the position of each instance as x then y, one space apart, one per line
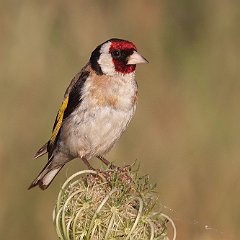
186 131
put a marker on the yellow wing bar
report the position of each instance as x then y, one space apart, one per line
59 120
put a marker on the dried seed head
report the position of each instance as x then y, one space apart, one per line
111 204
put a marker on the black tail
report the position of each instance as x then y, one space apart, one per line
43 150
46 176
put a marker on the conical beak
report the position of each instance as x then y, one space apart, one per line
136 58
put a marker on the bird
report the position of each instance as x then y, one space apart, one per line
96 109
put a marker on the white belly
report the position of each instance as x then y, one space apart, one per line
95 132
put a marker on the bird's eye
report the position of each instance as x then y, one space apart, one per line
116 54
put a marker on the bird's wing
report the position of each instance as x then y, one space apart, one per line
72 99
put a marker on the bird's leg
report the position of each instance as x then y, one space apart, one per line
106 162
87 163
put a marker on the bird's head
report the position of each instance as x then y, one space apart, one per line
115 56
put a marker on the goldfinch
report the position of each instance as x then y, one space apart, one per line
97 108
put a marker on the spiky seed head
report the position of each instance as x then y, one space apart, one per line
112 204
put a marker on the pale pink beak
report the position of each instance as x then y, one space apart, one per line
136 58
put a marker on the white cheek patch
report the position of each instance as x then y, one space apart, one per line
105 60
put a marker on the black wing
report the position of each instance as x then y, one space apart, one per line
69 104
